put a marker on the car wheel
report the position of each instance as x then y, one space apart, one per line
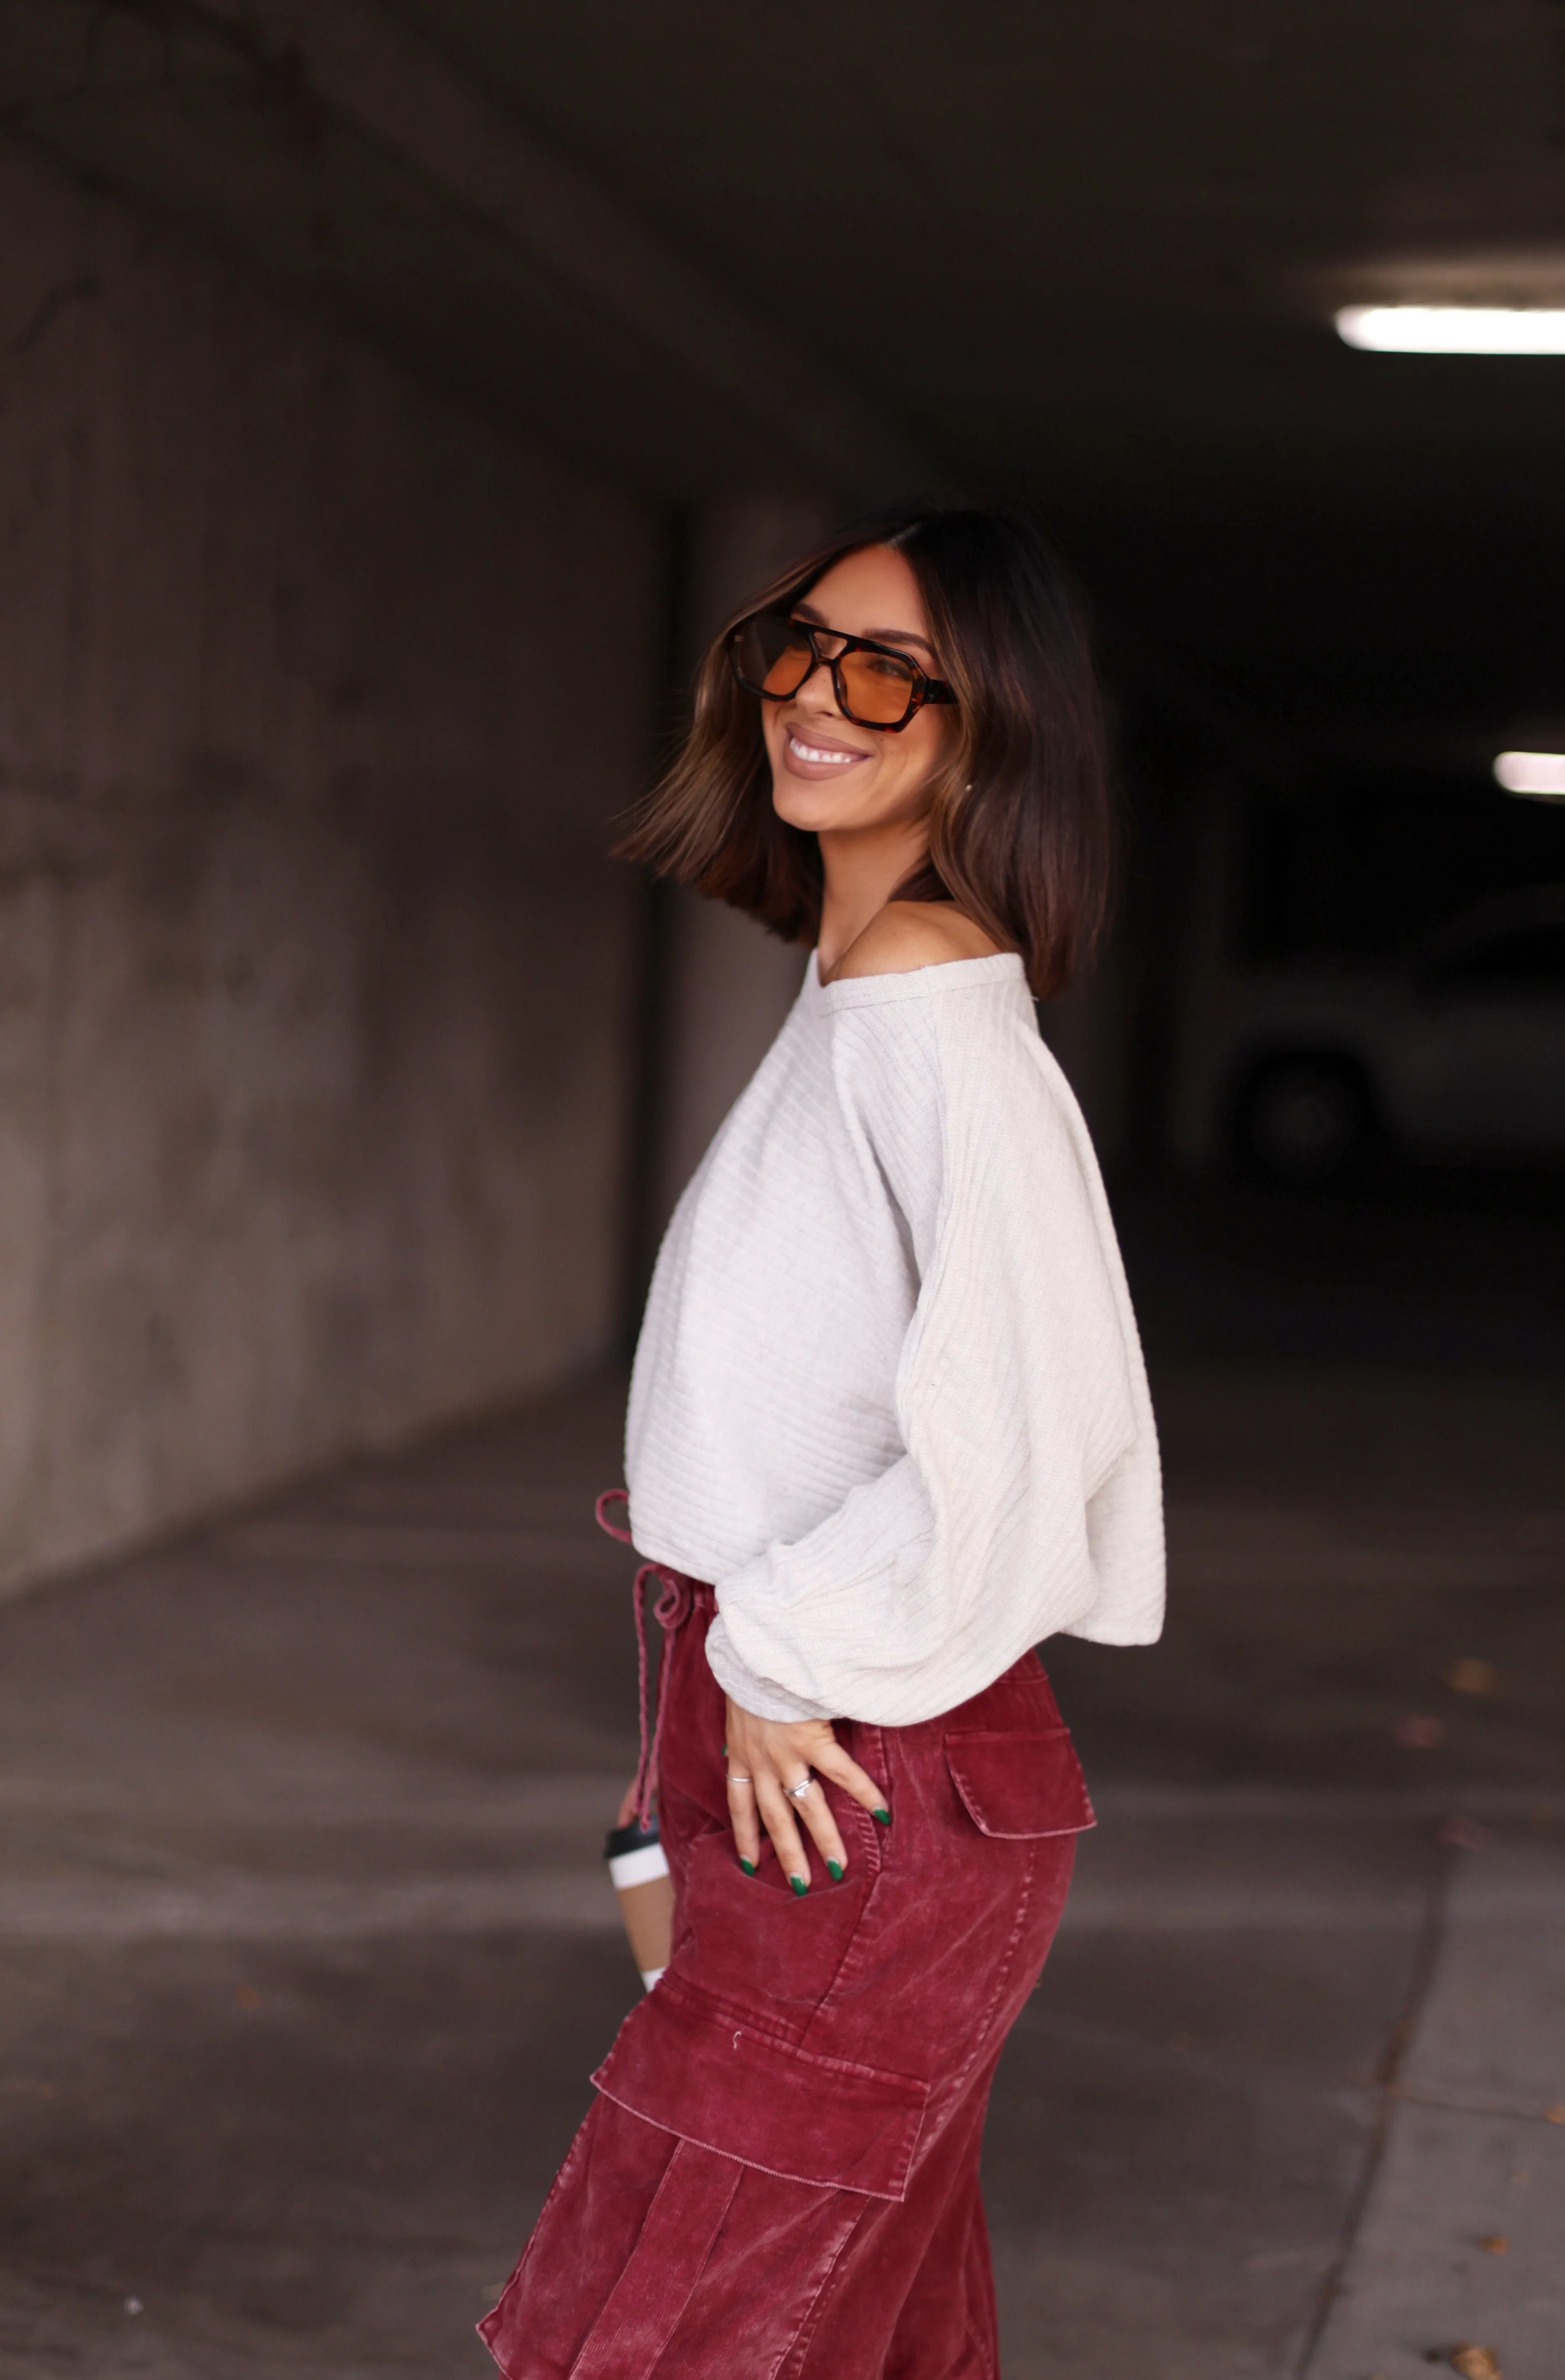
1307 1120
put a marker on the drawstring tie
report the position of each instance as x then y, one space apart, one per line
670 1611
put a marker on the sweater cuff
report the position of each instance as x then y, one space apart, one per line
762 1697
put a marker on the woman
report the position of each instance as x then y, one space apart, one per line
889 1428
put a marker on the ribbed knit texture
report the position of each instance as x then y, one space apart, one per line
889 1396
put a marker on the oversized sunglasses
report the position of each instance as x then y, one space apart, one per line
875 684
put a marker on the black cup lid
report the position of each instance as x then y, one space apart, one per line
633 1838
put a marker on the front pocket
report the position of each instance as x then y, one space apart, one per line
1015 1784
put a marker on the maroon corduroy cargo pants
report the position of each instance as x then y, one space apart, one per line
778 2180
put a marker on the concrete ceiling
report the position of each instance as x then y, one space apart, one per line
1090 248
1088 251
347 164
1085 253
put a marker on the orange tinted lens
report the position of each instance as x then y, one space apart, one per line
879 687
774 656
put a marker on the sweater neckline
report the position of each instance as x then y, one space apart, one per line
911 983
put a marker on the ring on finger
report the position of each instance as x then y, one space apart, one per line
735 1778
796 1792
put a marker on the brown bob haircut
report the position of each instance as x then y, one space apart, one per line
1020 829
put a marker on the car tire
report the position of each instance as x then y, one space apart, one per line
1305 1121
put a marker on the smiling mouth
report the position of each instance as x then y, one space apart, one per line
830 756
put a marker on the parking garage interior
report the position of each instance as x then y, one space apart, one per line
394 395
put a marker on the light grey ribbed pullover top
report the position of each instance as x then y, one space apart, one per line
889 1396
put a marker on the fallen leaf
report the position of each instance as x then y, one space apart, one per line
1471 1676
246 1997
1554 2115
1416 1732
1462 1834
1495 2243
1477 2362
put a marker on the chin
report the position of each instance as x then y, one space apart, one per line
809 807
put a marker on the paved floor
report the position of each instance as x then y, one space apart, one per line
305 1953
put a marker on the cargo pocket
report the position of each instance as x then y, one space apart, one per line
709 2075
1017 1784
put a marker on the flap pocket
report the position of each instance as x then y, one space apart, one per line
1016 1784
702 2071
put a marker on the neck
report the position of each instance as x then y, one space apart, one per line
863 868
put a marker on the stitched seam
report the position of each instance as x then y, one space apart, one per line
849 1946
984 2352
810 2319
856 1939
753 2165
981 2030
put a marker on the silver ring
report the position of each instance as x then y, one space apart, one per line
735 1778
797 1792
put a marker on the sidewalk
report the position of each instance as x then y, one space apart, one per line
306 1953
1463 2234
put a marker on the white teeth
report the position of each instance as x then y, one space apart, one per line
812 752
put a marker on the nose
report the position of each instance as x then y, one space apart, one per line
818 693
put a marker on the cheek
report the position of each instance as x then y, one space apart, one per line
922 751
936 731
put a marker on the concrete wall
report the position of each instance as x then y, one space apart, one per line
313 981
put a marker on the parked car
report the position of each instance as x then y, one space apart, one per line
1456 1049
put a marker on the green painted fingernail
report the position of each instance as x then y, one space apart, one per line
882 1817
748 1865
800 1885
834 1870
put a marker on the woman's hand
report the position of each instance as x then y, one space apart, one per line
768 1756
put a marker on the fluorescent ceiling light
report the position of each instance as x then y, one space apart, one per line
1455 330
1539 773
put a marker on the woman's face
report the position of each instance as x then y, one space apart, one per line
829 776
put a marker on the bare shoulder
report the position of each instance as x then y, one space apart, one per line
908 934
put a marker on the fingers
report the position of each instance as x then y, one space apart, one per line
768 1761
742 1819
627 1806
784 1813
815 1812
777 1811
843 1770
